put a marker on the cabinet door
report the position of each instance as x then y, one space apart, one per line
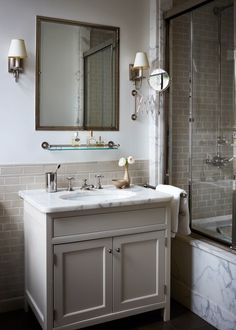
139 270
82 280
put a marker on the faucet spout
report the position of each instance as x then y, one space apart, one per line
86 186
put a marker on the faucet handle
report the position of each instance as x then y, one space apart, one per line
99 177
70 178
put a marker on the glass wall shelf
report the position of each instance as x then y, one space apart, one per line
61 147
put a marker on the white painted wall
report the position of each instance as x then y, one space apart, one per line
19 142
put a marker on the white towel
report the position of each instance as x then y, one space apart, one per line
179 210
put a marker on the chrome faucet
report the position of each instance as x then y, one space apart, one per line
218 160
86 186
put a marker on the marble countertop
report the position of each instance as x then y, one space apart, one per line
63 200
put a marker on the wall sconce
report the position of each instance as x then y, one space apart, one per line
16 54
136 70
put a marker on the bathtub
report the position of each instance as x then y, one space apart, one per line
218 227
204 280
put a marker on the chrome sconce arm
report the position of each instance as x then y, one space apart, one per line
15 66
158 80
135 114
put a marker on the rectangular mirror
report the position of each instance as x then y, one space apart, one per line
77 75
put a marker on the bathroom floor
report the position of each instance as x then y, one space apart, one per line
181 319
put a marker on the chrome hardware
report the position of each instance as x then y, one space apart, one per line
70 178
221 140
134 93
99 184
218 160
118 250
109 250
51 182
86 186
182 194
110 145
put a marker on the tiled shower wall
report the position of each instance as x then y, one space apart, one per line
14 178
211 195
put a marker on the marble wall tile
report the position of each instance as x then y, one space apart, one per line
205 280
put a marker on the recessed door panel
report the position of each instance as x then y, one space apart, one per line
139 269
83 280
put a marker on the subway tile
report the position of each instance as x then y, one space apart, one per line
26 179
10 227
33 169
11 180
12 196
12 170
11 211
12 188
4 219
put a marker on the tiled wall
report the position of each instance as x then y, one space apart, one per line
14 178
208 199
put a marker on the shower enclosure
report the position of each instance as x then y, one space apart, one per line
202 118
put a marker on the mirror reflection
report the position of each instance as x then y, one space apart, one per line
77 76
159 80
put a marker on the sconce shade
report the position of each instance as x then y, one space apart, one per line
17 49
141 61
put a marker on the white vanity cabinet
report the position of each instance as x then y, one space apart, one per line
90 266
98 277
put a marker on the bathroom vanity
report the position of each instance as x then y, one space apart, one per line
96 256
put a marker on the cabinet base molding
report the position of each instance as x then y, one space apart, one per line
111 317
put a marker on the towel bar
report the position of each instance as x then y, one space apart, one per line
182 195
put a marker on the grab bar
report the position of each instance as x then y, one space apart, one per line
182 195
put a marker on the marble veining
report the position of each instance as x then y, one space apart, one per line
52 202
205 281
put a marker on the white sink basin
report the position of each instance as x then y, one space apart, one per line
97 195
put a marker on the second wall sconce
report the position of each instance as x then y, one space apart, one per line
136 70
16 54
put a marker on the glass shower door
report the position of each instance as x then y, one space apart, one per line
202 121
214 124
